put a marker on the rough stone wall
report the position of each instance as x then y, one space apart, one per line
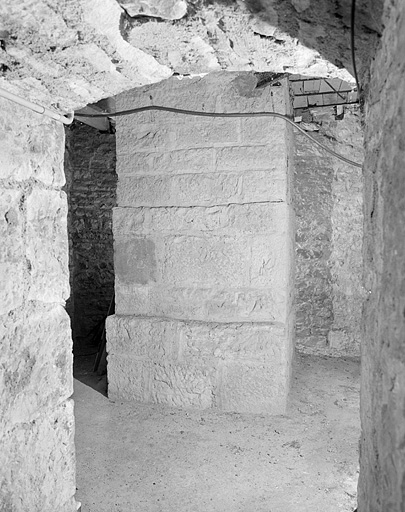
346 261
36 414
294 36
329 217
382 459
90 161
71 53
313 204
203 249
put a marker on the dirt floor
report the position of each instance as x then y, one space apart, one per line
151 458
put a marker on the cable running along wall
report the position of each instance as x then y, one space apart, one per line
221 114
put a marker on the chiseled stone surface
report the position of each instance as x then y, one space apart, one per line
231 366
382 458
202 303
329 264
258 218
206 189
36 416
204 253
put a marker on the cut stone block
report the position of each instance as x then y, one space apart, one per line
253 342
203 250
34 457
11 226
148 138
263 130
135 261
35 151
183 385
251 157
39 372
255 218
205 304
177 161
301 102
128 379
14 279
47 249
207 132
142 338
196 364
212 189
203 261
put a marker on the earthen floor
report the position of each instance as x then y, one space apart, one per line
150 458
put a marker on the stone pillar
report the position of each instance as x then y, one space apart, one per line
203 249
37 464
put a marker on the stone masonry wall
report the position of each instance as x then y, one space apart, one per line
382 453
329 217
90 162
36 415
203 249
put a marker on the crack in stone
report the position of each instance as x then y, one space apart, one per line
223 205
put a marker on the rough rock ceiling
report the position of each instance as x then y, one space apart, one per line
164 9
68 53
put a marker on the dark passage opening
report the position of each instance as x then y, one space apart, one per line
91 182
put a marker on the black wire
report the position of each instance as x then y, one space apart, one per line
352 21
221 114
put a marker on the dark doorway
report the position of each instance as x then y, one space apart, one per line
90 161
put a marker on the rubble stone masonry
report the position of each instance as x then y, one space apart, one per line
328 200
91 189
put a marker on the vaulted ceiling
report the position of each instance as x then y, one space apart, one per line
68 53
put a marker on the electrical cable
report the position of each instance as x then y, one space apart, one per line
222 114
352 21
